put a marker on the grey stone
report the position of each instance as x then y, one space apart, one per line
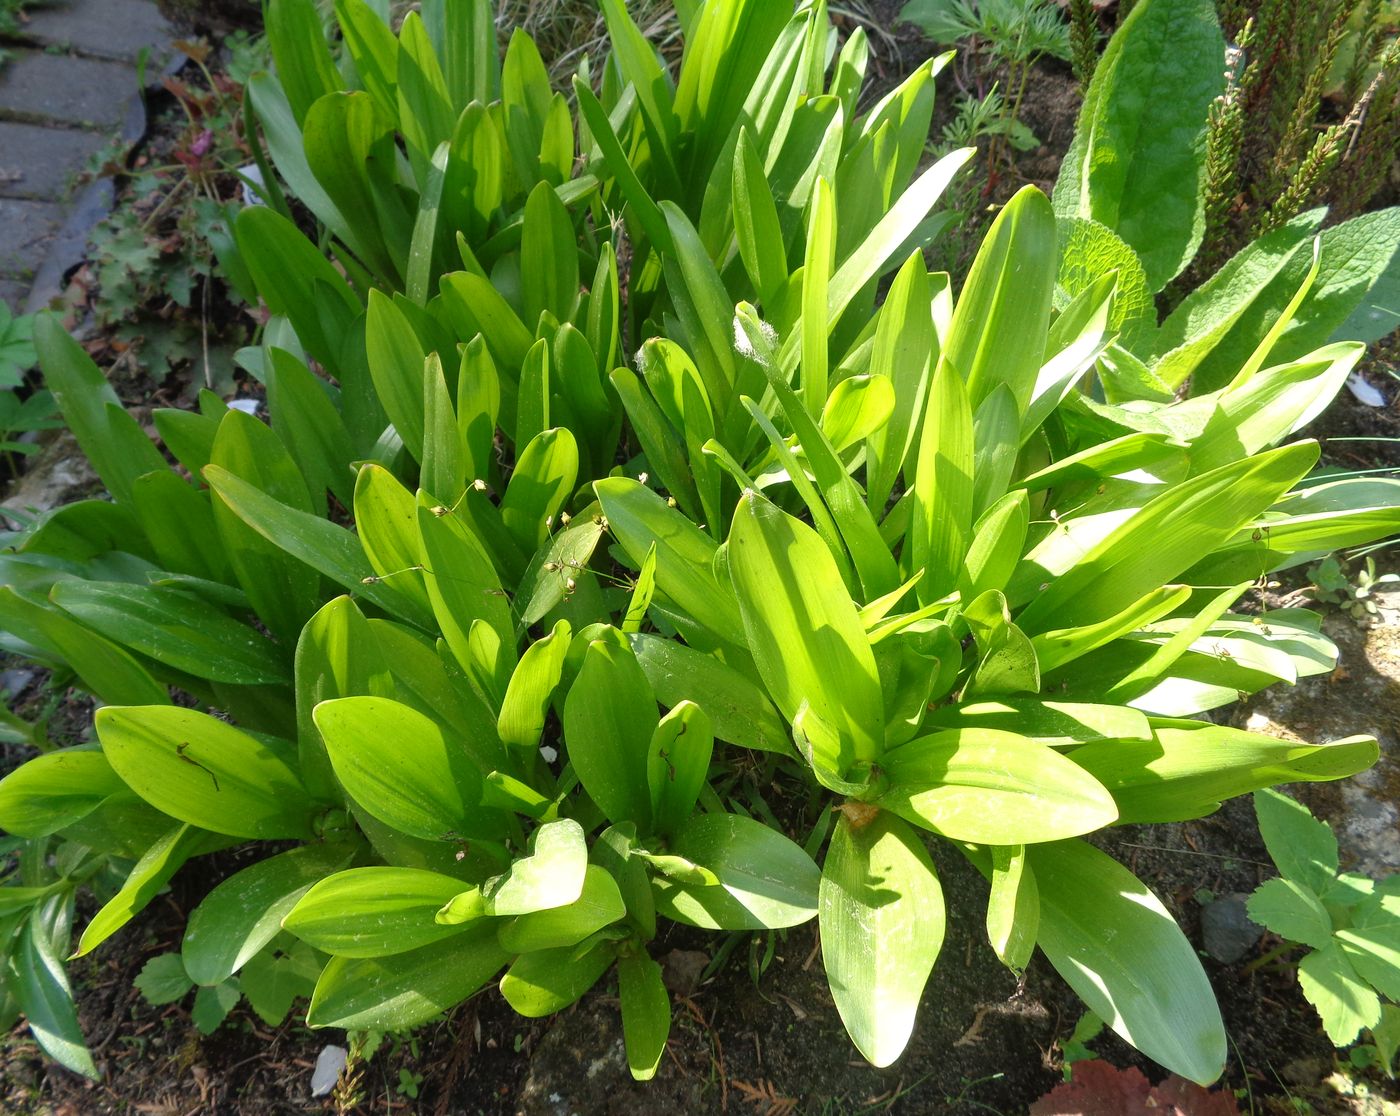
82 92
329 1063
12 294
68 246
1228 932
26 227
110 28
58 474
38 162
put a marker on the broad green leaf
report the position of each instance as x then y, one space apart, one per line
54 790
283 590
1063 645
1269 405
401 767
206 772
678 764
281 130
531 691
609 717
998 540
244 913
176 629
548 257
464 590
1005 303
1303 847
816 276
856 408
1117 946
882 925
1346 1003
1164 537
386 520
1056 723
318 543
298 41
660 439
684 554
993 787
1137 161
848 511
311 426
545 584
703 306
1013 909
462 34
904 346
476 177
943 487
373 912
1192 766
103 666
803 631
146 880
44 995
1291 910
373 50
425 112
1006 659
350 149
544 477
759 235
408 988
163 979
552 875
178 521
764 880
396 358
426 678
646 1012
1089 251
1199 326
1354 255
111 439
738 709
541 983
599 904
1372 943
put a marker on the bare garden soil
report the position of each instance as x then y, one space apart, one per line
772 1044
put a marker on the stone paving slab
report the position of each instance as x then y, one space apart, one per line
41 163
26 227
78 92
107 28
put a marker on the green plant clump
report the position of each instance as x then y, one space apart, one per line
1349 923
596 476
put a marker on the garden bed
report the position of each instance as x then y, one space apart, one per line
760 1034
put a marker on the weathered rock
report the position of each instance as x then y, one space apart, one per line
1361 696
329 1063
79 92
41 163
1227 930
26 228
57 474
108 28
12 294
